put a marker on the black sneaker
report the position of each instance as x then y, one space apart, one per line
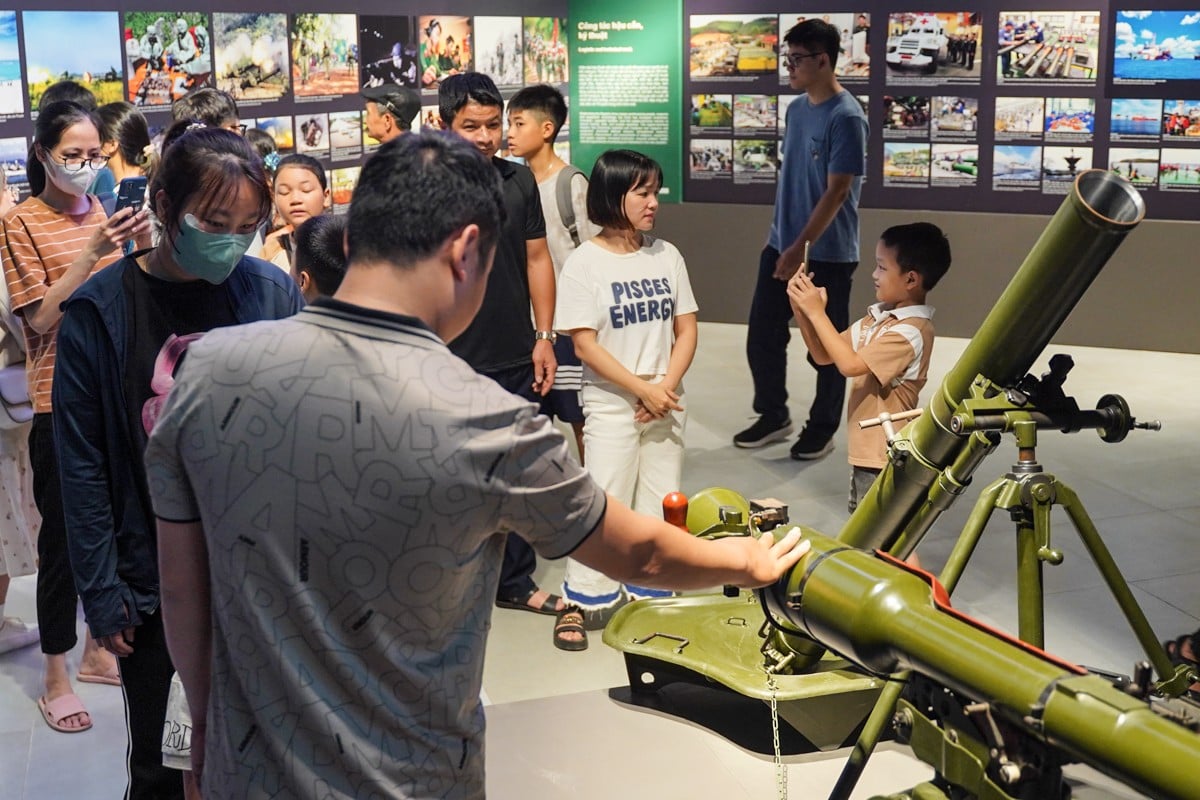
763 432
811 446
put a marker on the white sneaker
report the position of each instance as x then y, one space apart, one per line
15 634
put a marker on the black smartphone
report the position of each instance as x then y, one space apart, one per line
131 193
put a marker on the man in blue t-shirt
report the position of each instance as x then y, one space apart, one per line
816 202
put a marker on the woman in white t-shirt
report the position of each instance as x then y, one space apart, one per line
626 300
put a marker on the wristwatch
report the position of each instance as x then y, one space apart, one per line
549 336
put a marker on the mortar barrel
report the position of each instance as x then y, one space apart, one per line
1100 211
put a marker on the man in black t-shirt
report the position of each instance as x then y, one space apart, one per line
503 343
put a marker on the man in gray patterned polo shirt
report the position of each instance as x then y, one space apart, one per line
329 489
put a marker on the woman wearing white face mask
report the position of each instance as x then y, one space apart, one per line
52 242
123 333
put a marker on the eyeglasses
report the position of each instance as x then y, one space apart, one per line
794 59
75 164
236 127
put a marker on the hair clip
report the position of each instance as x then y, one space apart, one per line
271 160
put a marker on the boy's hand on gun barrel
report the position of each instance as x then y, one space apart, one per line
806 297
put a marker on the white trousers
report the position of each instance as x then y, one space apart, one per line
637 463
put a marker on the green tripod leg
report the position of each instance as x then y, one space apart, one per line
1172 681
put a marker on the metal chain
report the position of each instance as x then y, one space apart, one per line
781 777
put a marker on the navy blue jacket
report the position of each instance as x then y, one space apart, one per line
110 531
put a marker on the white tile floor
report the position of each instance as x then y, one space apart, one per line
1141 493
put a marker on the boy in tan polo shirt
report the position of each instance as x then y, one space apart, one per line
886 353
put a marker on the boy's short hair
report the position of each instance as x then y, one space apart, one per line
816 36
541 99
321 251
213 107
455 91
920 247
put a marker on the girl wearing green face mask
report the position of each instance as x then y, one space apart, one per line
123 334
51 243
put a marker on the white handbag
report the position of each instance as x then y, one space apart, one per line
14 397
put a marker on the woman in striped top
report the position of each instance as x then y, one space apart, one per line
52 242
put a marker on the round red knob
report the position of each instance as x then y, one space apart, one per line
675 509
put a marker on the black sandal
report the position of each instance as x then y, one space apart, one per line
550 606
570 620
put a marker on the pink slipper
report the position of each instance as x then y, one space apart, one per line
58 709
110 678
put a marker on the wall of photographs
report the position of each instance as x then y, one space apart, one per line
988 106
992 108
295 69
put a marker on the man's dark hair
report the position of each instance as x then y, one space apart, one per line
816 36
416 192
920 247
70 91
616 173
213 107
321 251
456 91
541 99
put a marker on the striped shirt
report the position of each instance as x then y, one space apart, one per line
40 244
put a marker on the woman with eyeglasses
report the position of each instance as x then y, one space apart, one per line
52 243
123 334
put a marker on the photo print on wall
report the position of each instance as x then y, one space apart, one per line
324 55
546 55
446 48
167 55
1048 46
12 101
498 50
390 51
251 53
93 59
933 47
